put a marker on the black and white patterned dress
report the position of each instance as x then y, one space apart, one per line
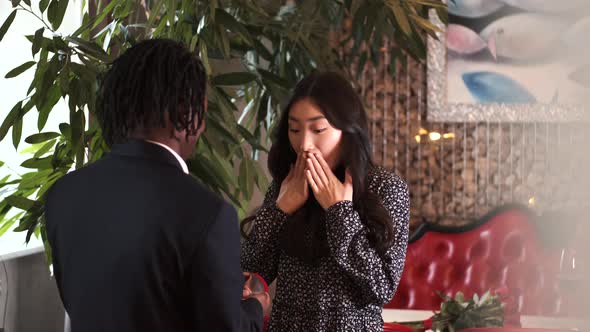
346 291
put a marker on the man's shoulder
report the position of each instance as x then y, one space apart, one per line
76 177
169 181
196 189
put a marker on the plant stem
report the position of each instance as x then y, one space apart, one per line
37 16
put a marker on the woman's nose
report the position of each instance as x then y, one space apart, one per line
306 143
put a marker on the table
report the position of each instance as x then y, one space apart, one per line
403 315
12 245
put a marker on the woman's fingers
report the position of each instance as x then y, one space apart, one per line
324 165
312 169
322 175
300 169
311 181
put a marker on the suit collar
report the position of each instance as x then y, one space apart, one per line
136 148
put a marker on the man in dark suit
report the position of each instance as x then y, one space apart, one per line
138 244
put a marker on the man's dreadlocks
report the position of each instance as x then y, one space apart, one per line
151 80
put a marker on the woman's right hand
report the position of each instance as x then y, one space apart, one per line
294 189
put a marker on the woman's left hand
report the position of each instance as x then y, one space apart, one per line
326 187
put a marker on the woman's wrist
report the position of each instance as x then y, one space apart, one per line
281 205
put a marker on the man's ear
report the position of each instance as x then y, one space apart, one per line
177 135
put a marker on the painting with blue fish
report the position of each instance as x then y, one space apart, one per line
526 36
581 75
549 6
576 36
490 87
463 40
524 54
474 8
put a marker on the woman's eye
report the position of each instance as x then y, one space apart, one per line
317 131
294 130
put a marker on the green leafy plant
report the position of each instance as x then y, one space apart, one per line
459 313
253 51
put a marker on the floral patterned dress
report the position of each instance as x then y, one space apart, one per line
347 289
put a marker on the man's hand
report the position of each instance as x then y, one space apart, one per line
254 288
264 299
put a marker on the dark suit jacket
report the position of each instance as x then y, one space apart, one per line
140 246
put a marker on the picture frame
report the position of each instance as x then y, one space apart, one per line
476 87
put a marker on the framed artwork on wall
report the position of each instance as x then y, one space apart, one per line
510 61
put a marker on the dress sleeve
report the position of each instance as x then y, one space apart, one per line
377 275
260 251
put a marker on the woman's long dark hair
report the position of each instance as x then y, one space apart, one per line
304 232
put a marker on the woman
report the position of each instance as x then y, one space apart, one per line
333 228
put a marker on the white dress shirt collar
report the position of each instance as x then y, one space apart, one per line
180 160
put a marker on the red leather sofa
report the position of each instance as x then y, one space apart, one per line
501 249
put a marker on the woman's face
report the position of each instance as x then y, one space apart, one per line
309 130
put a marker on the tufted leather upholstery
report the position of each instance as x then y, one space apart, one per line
502 249
509 329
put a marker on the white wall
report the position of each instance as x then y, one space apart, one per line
33 302
15 49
